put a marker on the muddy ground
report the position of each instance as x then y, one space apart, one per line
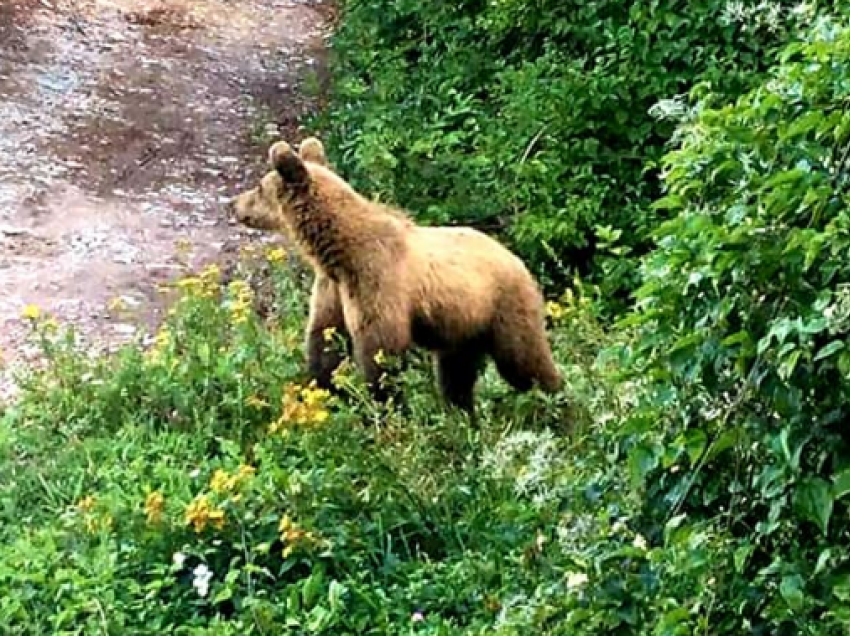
124 126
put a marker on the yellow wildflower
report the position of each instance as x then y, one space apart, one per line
328 333
380 358
86 504
302 405
211 273
245 472
31 312
161 343
240 305
190 283
204 284
292 536
94 523
154 506
116 304
555 310
200 512
256 402
276 255
222 482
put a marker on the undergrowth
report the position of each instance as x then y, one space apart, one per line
197 486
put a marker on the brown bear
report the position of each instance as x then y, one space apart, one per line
390 284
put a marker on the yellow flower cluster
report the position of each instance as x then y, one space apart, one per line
294 537
201 512
93 522
276 255
223 482
241 300
154 507
204 285
162 342
555 310
86 504
302 405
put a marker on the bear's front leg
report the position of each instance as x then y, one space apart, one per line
323 353
383 339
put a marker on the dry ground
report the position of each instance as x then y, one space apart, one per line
124 125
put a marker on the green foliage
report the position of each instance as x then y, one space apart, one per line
532 118
195 487
744 324
692 479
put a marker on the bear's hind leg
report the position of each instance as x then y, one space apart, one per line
323 354
457 373
523 356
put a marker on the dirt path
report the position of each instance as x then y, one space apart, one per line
124 124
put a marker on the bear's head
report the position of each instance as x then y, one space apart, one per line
266 206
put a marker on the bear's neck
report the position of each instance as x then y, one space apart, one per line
322 234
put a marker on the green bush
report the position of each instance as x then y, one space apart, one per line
532 118
744 322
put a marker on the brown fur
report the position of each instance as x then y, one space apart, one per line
391 284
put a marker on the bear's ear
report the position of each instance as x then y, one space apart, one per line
311 149
288 164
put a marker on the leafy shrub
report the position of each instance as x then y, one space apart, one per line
532 119
744 323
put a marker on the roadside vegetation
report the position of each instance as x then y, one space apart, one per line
694 476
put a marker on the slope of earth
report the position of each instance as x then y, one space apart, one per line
124 125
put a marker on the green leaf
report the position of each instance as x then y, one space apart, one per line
791 589
814 502
828 350
823 561
642 460
670 202
695 443
844 363
741 556
841 484
788 364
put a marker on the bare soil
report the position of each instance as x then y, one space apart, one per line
124 127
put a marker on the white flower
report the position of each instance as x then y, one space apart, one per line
576 579
639 542
734 12
178 559
673 108
203 575
531 460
